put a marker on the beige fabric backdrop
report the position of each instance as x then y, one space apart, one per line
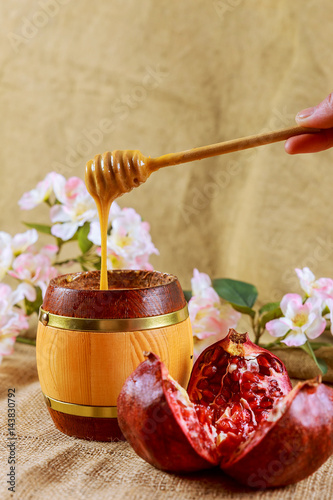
170 76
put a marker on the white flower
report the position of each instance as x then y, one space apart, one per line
302 321
211 318
129 243
23 241
6 253
35 270
12 319
10 247
39 194
321 288
76 207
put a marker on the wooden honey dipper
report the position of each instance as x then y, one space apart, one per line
112 174
121 171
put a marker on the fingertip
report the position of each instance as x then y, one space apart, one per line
288 146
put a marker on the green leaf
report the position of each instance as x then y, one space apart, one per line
244 310
187 294
39 227
236 292
31 307
83 241
274 314
317 345
269 307
322 365
319 362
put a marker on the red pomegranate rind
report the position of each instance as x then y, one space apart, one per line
161 424
293 444
240 383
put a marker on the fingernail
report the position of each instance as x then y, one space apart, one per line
306 113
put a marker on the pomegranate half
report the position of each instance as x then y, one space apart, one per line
239 413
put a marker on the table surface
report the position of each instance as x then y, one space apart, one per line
50 464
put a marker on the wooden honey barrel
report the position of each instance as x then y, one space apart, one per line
90 340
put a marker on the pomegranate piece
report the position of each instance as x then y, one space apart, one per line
235 373
162 425
241 414
294 441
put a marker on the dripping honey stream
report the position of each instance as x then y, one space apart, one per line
112 174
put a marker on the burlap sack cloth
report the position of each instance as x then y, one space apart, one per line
53 466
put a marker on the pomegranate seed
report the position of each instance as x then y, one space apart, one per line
255 404
247 386
209 371
277 365
251 377
223 361
235 375
275 393
208 355
242 363
217 353
226 425
216 379
202 384
227 381
226 393
257 389
235 387
220 400
264 370
236 409
274 383
208 396
263 361
215 388
251 397
266 403
234 360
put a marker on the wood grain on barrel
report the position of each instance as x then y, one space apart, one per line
90 368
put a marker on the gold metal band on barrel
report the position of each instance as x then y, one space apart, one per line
113 325
81 410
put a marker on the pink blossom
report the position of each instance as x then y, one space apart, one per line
23 241
300 321
12 319
321 288
39 194
35 269
66 191
210 317
76 207
11 247
129 243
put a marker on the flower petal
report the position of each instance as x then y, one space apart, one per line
277 328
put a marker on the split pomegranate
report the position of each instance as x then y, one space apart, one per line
240 413
239 383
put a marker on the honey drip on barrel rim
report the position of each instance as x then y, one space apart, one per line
107 177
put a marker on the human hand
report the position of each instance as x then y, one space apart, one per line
320 116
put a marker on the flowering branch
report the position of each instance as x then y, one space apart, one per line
295 321
73 219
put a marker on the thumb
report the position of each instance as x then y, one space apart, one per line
320 116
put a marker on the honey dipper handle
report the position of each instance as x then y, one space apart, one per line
228 146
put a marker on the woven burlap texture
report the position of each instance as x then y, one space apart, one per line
52 465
